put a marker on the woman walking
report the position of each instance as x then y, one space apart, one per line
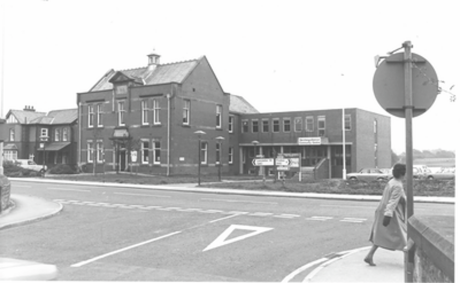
389 230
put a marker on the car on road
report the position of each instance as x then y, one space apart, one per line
31 165
369 175
445 174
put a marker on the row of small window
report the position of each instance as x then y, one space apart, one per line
60 134
95 151
298 127
149 108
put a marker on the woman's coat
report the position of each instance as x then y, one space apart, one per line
393 204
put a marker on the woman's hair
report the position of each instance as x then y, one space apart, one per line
399 170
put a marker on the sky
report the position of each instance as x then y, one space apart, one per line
279 55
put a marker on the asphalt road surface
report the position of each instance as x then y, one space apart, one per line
125 234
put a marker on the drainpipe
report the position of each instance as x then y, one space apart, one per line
168 96
79 134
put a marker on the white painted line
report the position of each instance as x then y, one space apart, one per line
287 216
230 216
212 211
352 221
260 214
222 239
315 219
74 190
357 219
319 218
242 201
302 269
348 206
122 250
143 195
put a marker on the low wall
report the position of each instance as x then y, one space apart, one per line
5 192
434 254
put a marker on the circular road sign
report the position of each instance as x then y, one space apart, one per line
389 89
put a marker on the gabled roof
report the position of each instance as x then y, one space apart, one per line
161 74
24 117
239 105
55 117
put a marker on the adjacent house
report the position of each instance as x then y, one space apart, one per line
48 138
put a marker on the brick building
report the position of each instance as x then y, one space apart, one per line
146 120
35 135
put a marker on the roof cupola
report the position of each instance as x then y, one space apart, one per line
154 59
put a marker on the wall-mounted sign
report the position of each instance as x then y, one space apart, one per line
309 141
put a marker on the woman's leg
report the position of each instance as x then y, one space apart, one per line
370 256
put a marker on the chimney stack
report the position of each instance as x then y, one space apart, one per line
154 60
29 108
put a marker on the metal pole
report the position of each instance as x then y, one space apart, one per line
199 160
220 161
409 258
344 170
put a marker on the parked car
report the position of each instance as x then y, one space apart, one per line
368 175
31 165
444 174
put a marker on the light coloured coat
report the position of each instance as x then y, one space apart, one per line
393 204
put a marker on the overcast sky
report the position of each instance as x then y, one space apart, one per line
278 55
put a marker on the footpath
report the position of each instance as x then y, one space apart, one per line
347 266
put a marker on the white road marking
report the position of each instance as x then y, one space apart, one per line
319 218
74 190
221 240
144 195
243 201
227 217
349 206
286 216
261 214
79 264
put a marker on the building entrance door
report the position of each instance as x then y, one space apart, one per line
122 159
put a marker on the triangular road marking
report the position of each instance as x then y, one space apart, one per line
221 240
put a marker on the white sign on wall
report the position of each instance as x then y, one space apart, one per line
309 141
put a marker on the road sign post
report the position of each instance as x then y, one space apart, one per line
394 88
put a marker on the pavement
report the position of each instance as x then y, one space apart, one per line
346 266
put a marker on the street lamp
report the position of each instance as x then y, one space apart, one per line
255 143
219 140
199 133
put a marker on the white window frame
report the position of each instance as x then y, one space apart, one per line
348 122
10 154
145 151
99 115
90 116
273 125
89 151
309 121
44 132
285 120
156 152
204 152
65 134
321 119
12 135
99 151
268 125
219 110
57 134
255 122
156 112
121 112
145 112
231 120
297 121
230 155
186 112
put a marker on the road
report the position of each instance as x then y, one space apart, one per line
127 234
